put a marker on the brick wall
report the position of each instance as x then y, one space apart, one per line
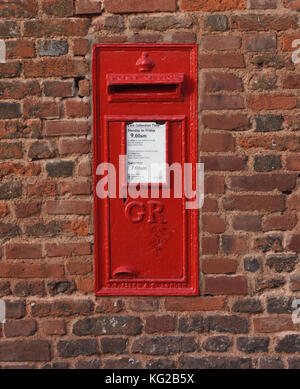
250 228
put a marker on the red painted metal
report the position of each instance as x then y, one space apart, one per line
145 246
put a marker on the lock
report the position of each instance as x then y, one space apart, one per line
145 132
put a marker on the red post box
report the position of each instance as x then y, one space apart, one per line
145 115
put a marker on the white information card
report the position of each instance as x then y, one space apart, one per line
146 152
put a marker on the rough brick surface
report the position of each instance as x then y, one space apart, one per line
249 225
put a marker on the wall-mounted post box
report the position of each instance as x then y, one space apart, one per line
145 121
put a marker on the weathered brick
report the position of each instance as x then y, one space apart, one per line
209 245
9 29
225 285
282 262
60 168
216 22
160 363
84 7
255 202
20 49
267 163
226 122
29 288
261 42
74 348
219 42
122 363
74 146
223 163
265 123
53 48
230 60
20 328
75 188
58 7
216 102
80 46
214 362
144 304
42 189
56 287
160 23
247 305
24 270
68 207
9 110
263 4
10 69
194 303
126 325
157 324
263 183
24 350
269 324
234 244
258 22
23 251
19 9
219 266
164 345
288 344
9 230
219 344
56 67
128 6
114 345
270 363
18 89
57 27
252 345
54 327
227 323
268 102
84 87
15 309
10 190
247 223
41 150
293 243
212 5
213 224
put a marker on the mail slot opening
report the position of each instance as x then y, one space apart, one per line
143 88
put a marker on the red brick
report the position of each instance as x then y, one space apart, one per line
269 324
24 350
213 224
217 142
293 202
263 182
287 41
216 102
10 110
20 328
77 146
237 122
3 210
214 82
184 37
68 207
270 203
210 205
20 49
292 4
76 268
18 89
59 88
283 222
11 150
212 5
83 7
42 189
264 22
293 243
28 209
230 60
77 108
58 7
197 303
10 69
56 67
18 9
261 102
54 327
75 188
77 228
15 309
292 81
23 251
293 162
295 283
220 42
224 163
85 285
31 169
144 304
41 109
219 266
84 87
67 249
26 270
80 46
66 127
225 285
214 184
128 6
247 223
263 4
209 245
270 142
261 42
234 244
156 324
60 27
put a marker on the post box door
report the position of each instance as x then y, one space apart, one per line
146 243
